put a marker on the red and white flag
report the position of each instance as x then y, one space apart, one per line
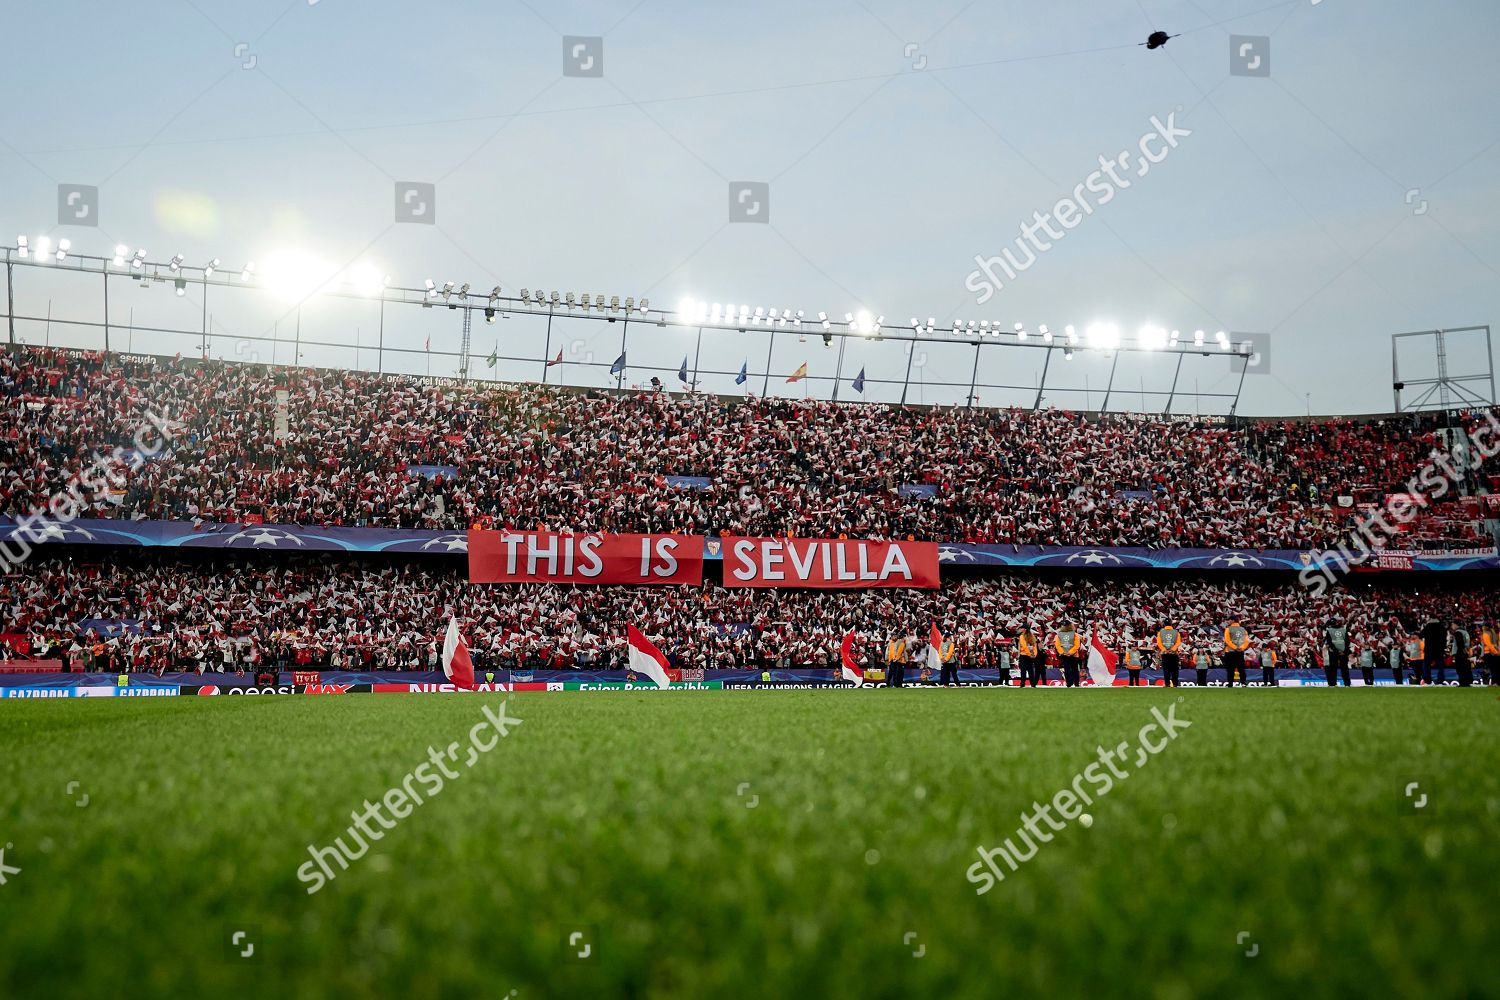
456 662
557 360
851 669
1101 662
934 648
646 658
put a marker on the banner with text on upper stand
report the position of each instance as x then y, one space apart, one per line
646 560
843 563
558 557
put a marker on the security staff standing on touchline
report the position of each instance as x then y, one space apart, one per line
1169 645
1336 639
1236 641
1434 651
1030 655
1068 643
895 662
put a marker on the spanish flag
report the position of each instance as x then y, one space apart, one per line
799 374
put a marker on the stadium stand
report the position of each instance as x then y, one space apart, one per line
164 611
364 449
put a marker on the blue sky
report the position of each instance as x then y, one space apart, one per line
899 141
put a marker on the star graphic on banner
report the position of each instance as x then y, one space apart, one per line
53 530
1093 557
263 536
947 555
450 543
1235 559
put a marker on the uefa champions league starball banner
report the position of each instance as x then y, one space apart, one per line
31 533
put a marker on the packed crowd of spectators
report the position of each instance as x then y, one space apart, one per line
187 614
523 455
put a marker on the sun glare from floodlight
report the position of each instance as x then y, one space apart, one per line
294 275
1103 336
1152 337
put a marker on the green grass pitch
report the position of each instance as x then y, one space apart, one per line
759 843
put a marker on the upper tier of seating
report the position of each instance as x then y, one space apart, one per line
524 455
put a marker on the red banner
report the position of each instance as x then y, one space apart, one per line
550 557
829 563
32 667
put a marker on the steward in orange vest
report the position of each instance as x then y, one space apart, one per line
1068 643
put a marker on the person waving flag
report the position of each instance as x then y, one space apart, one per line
1102 662
646 658
851 671
934 648
456 663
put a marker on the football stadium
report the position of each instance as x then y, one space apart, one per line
1054 552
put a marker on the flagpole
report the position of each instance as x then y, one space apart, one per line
974 375
765 388
839 368
547 351
911 352
697 353
624 331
